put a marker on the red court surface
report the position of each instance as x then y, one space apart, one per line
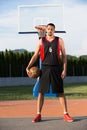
51 108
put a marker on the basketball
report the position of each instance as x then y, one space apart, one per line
34 72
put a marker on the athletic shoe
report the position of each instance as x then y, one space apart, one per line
68 118
37 118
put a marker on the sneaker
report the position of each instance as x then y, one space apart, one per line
37 118
68 118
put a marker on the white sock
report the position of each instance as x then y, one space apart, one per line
38 113
65 112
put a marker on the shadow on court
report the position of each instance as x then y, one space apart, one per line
47 123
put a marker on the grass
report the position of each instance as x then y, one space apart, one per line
76 91
72 91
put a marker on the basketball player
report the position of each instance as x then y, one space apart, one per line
49 48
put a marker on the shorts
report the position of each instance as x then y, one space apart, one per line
51 75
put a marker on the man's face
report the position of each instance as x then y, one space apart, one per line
50 30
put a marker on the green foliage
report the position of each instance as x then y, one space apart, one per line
76 66
14 63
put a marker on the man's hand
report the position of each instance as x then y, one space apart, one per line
28 72
63 74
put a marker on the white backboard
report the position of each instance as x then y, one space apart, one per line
31 15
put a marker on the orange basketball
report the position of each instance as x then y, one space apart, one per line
34 72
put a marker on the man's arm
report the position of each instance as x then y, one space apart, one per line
41 30
34 57
40 27
64 58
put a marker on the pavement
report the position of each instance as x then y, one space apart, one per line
52 123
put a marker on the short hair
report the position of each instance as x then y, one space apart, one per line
51 24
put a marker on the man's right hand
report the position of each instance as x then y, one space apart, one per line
28 72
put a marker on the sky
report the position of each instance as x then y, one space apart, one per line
74 19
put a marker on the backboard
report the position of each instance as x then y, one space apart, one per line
31 15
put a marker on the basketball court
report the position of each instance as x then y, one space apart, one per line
51 108
17 115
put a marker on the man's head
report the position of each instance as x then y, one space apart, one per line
50 29
51 24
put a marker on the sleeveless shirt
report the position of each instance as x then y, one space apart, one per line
49 52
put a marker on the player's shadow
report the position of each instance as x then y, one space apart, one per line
50 119
79 118
76 119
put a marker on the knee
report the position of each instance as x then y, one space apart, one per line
41 95
61 94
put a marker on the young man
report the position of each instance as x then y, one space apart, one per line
49 48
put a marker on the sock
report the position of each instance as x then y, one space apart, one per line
65 112
38 113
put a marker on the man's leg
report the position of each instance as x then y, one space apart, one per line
64 106
40 102
63 102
